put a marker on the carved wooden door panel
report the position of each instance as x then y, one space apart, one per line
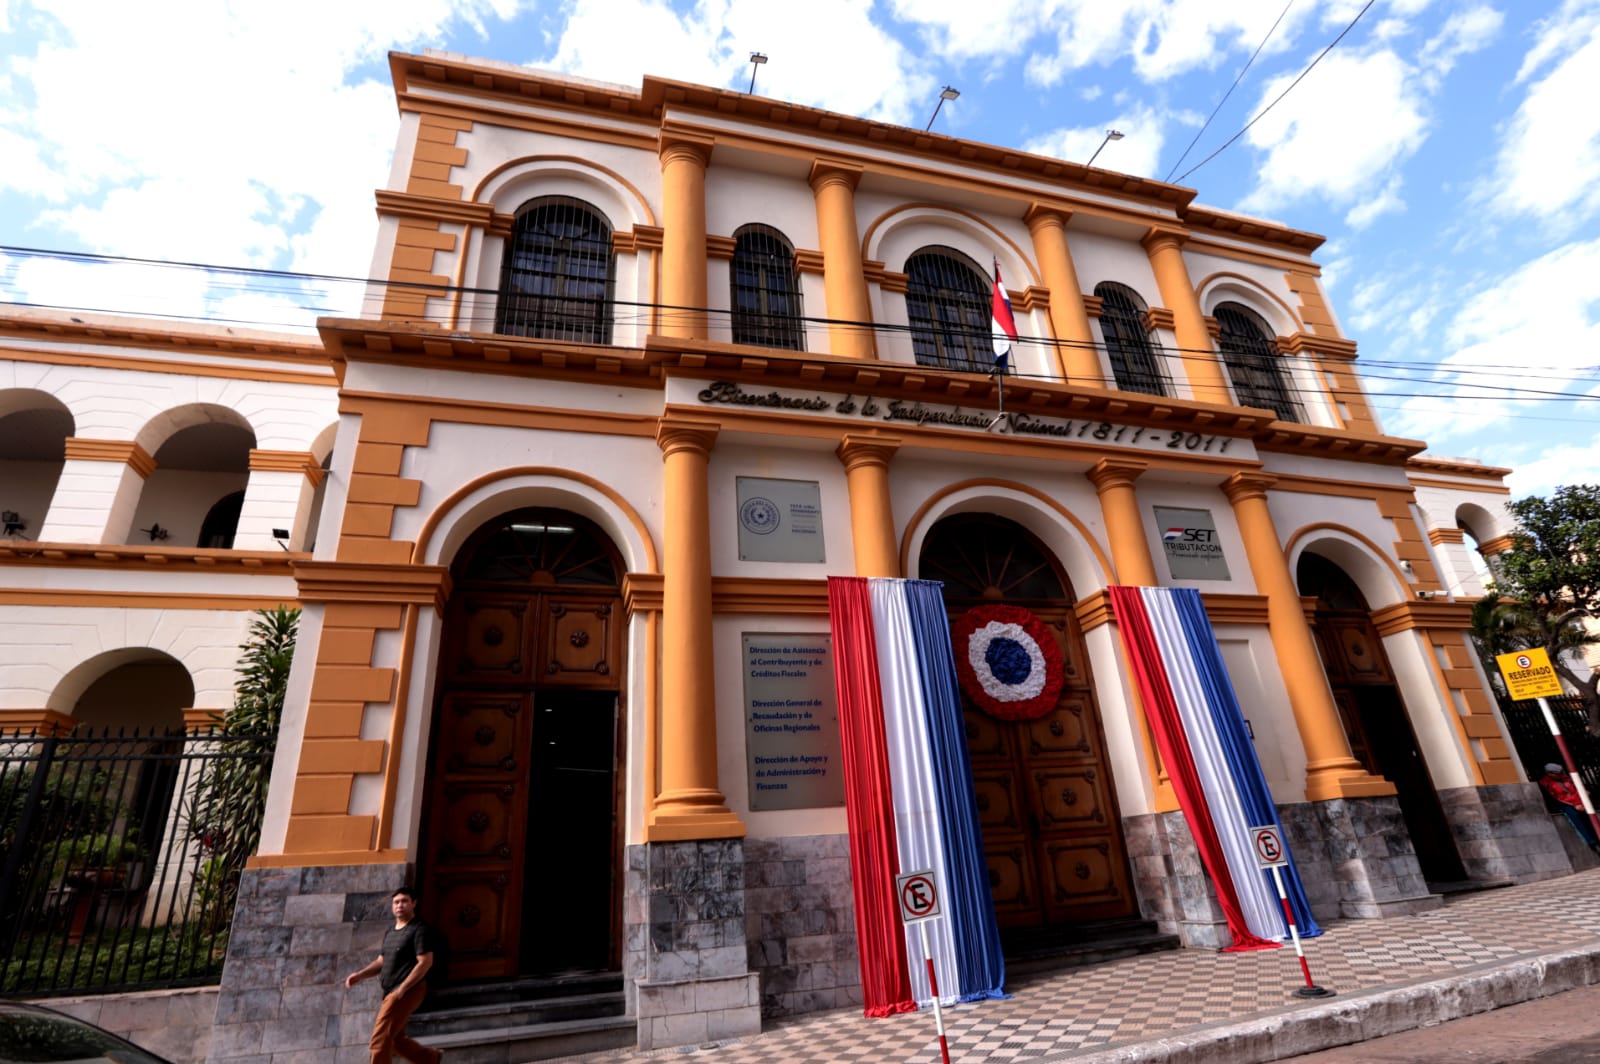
1052 836
477 823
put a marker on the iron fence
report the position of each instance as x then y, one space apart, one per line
1537 748
115 876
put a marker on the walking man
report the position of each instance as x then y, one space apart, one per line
402 971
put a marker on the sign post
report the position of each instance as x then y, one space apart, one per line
919 902
1267 845
1529 674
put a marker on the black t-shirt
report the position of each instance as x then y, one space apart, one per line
401 948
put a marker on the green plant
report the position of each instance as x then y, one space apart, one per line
82 854
224 817
1547 586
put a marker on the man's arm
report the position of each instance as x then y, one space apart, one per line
368 972
418 973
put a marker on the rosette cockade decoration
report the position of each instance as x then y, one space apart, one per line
1008 662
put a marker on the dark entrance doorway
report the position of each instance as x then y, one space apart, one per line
1373 714
521 847
1051 831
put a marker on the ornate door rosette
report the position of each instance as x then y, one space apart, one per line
1008 662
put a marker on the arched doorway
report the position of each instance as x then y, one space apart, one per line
1051 831
521 849
1373 713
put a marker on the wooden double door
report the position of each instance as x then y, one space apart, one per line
521 845
1374 715
1052 834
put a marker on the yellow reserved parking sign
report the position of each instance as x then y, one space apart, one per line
1528 674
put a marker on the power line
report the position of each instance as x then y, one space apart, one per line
1235 85
1263 113
635 313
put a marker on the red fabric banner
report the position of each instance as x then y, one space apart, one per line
874 861
1144 657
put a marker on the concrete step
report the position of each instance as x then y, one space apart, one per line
1047 949
518 1045
494 1015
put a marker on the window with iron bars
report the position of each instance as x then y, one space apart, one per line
558 279
1254 365
765 290
948 304
1133 360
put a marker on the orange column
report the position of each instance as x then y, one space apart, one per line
1331 771
683 236
690 805
1200 362
866 467
1077 357
1130 552
849 310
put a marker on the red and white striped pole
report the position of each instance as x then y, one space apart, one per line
933 986
1310 989
1572 766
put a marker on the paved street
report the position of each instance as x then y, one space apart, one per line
1563 1029
1495 946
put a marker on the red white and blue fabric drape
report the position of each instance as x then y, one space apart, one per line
908 794
1199 729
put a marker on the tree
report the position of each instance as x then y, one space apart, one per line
1552 571
231 797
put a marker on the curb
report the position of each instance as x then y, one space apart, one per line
1363 1016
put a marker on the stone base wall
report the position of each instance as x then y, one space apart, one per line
685 961
1503 832
800 923
297 932
175 1024
1355 858
1171 884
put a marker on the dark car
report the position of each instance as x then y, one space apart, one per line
30 1034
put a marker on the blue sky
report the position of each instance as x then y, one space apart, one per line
1448 149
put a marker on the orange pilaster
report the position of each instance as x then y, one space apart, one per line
691 804
843 279
683 247
866 468
1331 770
1119 504
1200 362
1079 361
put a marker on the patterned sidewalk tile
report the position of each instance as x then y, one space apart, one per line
1147 997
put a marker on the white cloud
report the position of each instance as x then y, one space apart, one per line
1548 165
1370 210
833 56
1137 153
1463 33
1341 131
1536 329
1566 463
173 143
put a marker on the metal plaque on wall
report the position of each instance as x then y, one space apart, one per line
791 721
779 520
1189 540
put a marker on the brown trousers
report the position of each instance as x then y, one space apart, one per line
389 1030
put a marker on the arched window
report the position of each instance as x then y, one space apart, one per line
222 522
765 290
948 304
558 276
539 546
1253 362
1133 359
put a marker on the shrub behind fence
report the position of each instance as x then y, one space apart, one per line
110 877
1535 746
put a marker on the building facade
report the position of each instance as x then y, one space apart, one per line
645 367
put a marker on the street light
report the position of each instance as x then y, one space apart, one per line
946 93
1111 135
756 60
